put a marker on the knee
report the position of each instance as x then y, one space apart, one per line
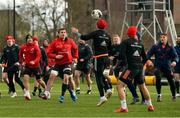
66 78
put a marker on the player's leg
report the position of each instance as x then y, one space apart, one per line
77 80
177 80
122 96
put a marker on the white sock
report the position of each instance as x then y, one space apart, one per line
109 90
73 92
78 88
46 93
123 104
103 97
159 95
26 91
148 102
89 87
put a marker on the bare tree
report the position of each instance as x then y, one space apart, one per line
44 15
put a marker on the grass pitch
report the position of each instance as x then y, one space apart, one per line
85 105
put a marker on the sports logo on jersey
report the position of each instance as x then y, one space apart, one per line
103 43
83 48
136 53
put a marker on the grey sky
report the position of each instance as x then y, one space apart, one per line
4 3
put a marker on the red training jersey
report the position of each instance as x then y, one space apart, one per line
51 61
30 52
67 48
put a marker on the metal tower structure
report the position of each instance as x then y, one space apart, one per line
148 15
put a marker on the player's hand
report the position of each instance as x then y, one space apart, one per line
32 62
75 60
173 64
59 56
23 64
3 65
81 60
74 30
149 63
111 57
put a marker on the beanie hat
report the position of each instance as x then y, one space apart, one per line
101 24
9 37
35 38
132 30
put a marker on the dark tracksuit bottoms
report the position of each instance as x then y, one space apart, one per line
99 66
169 77
13 71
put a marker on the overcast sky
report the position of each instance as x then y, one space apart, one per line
4 3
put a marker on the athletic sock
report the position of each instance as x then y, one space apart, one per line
159 95
148 102
40 90
89 87
64 87
35 89
123 104
78 88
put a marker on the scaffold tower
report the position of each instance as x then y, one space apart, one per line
148 15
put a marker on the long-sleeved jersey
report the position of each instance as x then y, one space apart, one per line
115 50
30 52
84 52
51 61
10 55
44 58
163 56
133 54
63 47
101 41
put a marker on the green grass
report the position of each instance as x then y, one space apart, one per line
85 106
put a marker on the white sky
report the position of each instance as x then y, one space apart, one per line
4 3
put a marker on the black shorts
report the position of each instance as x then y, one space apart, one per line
32 71
84 67
62 69
136 74
12 69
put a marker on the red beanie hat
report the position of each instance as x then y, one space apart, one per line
7 37
101 24
35 38
132 30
